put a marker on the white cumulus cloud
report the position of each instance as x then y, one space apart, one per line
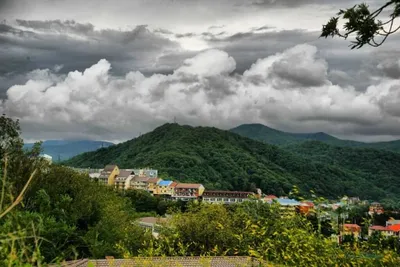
289 90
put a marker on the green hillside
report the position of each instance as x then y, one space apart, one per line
268 135
224 160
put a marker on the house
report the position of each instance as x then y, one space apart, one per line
108 174
153 224
375 208
139 183
390 230
351 229
121 179
186 191
165 188
287 204
152 184
227 197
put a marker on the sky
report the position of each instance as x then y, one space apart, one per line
110 70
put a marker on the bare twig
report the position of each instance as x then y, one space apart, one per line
20 196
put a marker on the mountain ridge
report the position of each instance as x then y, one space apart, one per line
224 160
263 133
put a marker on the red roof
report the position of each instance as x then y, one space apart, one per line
271 196
378 228
174 184
394 228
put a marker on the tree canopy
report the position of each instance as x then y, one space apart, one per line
370 27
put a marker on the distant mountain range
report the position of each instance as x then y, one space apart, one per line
224 160
65 149
269 135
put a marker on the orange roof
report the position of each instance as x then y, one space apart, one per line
394 228
174 184
184 185
271 196
352 227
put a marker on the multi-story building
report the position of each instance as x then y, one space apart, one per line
123 178
139 183
165 188
391 230
186 191
152 184
227 197
108 175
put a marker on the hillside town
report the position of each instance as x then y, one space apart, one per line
148 180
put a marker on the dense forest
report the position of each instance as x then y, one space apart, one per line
269 135
224 160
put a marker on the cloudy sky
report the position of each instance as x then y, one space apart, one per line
109 70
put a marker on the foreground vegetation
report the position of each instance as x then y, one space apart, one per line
223 160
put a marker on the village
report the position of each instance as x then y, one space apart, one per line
148 180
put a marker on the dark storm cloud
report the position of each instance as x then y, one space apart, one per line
44 44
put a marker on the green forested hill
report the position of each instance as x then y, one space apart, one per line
269 135
224 160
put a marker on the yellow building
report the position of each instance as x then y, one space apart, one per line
165 188
351 229
152 184
108 175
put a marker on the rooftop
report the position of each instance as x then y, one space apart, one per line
352 226
193 261
185 185
141 179
152 220
124 173
109 168
287 202
153 180
165 183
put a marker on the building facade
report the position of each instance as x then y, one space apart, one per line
227 197
186 191
165 188
152 184
108 175
139 183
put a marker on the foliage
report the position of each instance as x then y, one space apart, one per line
144 202
262 231
59 214
224 160
364 24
